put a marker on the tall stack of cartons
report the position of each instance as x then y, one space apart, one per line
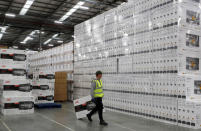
54 60
43 86
16 91
149 52
60 86
58 59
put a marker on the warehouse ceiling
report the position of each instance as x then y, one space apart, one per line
43 24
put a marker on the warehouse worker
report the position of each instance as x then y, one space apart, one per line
97 95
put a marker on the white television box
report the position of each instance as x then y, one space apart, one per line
12 51
81 106
15 87
11 71
17 105
10 56
43 99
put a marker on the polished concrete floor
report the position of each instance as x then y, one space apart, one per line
64 120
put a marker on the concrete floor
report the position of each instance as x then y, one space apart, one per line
64 120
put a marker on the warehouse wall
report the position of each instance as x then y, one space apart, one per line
148 52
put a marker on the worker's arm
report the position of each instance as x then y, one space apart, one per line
93 87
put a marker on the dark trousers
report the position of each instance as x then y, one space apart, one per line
99 107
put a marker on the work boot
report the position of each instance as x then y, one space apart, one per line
89 117
103 123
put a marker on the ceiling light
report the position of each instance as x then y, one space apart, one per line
15 47
72 10
29 37
3 30
84 7
26 39
80 3
58 22
48 41
60 41
50 45
10 15
1 35
26 7
53 37
22 42
32 33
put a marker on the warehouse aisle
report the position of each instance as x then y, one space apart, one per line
64 120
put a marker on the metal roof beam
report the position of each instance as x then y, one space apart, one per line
10 5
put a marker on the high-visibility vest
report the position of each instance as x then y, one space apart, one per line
98 92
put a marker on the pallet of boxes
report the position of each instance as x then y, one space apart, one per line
43 87
16 91
60 86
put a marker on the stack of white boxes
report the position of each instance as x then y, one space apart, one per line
43 86
54 60
57 59
16 91
150 53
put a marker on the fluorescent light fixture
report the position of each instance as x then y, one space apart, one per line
32 33
80 3
72 10
15 47
50 45
29 37
58 22
10 15
47 41
53 37
26 7
3 30
1 35
84 7
26 39
60 41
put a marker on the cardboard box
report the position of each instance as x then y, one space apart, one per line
17 71
82 106
60 86
17 105
16 88
44 99
12 51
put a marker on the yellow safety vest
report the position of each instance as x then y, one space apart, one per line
98 92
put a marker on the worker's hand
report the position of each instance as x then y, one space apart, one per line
93 100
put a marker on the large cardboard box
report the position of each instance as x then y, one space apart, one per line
83 106
17 105
15 87
60 86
